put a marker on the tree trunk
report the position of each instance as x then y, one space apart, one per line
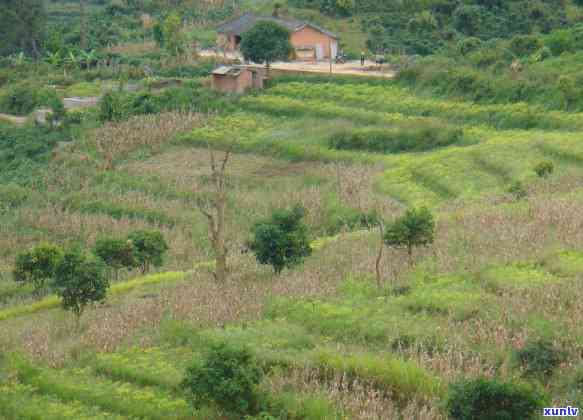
410 254
379 256
83 25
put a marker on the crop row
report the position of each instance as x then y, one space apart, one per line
395 99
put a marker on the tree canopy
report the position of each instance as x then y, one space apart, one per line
282 240
266 42
22 25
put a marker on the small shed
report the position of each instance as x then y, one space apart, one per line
237 79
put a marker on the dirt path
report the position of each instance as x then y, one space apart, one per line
13 119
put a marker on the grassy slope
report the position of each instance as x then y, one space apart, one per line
494 278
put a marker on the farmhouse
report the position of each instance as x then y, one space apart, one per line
237 79
310 42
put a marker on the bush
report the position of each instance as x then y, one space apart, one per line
560 41
282 240
486 399
407 138
467 45
149 248
23 98
518 191
38 265
113 107
544 169
227 377
523 45
116 253
539 357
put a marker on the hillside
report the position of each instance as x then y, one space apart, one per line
357 327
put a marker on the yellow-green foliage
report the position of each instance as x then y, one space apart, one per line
119 288
565 263
124 398
18 401
146 367
84 89
403 379
516 276
451 295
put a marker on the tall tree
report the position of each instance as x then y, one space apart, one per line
22 26
266 42
82 25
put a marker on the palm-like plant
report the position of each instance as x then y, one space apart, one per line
54 58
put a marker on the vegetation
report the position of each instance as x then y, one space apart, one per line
116 253
415 228
488 399
149 248
486 100
282 240
228 377
38 265
80 280
266 42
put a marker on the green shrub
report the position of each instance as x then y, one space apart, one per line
282 240
487 399
406 138
523 45
12 196
539 357
149 248
544 169
228 377
23 98
116 253
560 41
113 107
469 44
518 191
38 265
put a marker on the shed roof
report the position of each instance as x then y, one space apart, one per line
227 71
245 22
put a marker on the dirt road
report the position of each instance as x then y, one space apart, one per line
349 68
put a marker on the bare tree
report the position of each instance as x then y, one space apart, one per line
381 227
214 209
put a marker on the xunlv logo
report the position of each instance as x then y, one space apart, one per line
561 412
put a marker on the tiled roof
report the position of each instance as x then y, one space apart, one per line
245 22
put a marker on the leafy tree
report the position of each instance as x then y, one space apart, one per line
116 253
228 377
173 38
80 280
415 228
22 26
38 265
486 399
282 240
149 248
266 42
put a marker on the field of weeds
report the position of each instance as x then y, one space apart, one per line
502 275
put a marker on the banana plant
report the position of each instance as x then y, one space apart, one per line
87 58
54 58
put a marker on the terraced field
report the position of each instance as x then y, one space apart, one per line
335 344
